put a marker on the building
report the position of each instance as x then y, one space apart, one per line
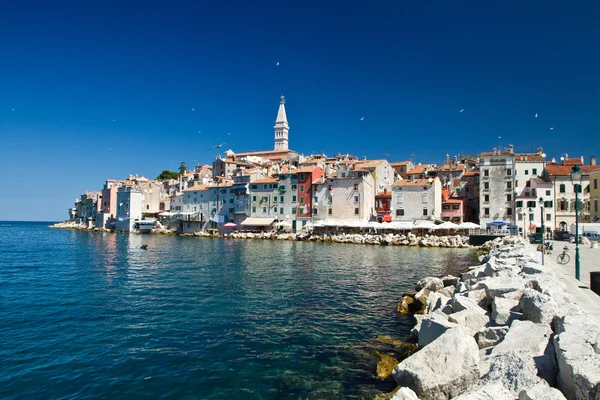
129 208
456 209
344 198
288 197
382 172
420 171
402 168
417 199
536 206
281 127
564 193
383 204
264 198
496 188
308 199
595 196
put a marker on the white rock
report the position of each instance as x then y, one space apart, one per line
431 283
432 327
512 372
443 369
541 392
501 285
450 280
448 291
538 307
404 393
516 295
531 342
577 345
460 303
487 337
479 296
504 311
490 391
474 273
437 301
470 319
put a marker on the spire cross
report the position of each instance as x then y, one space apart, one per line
282 100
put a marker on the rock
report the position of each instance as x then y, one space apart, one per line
407 348
538 307
470 319
501 285
443 369
422 296
550 285
512 372
431 283
415 330
385 366
474 273
448 291
409 305
490 391
487 337
404 393
460 303
496 269
541 392
516 295
450 280
532 343
437 301
504 311
577 344
479 296
432 327
531 268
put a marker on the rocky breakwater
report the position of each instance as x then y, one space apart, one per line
506 329
410 239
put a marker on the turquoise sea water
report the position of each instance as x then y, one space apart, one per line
91 315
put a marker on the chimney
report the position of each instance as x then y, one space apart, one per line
540 151
582 161
511 149
593 160
364 158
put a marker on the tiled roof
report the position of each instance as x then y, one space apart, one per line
368 164
498 153
565 170
259 153
196 188
416 182
572 161
382 194
266 180
306 169
453 201
529 157
537 179
396 164
419 169
471 173
447 167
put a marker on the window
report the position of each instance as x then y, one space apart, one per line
315 211
275 199
253 209
446 207
356 211
457 190
456 206
147 206
531 204
265 210
356 186
230 210
253 198
548 217
486 172
526 172
294 187
316 199
509 185
294 176
520 217
534 171
509 211
456 219
356 199
265 199
548 204
281 210
508 172
486 185
578 188
281 198
509 197
400 212
519 203
294 210
424 198
400 198
301 177
562 188
595 205
301 199
274 209
486 198
424 212
548 193
302 188
330 211
467 189
595 185
293 199
486 211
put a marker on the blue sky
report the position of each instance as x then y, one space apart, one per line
106 89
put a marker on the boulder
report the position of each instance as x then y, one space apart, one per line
538 307
474 273
531 268
479 296
550 285
448 291
460 303
501 285
443 369
577 344
512 372
532 343
409 305
504 311
404 393
541 391
438 301
497 268
487 337
432 327
422 296
470 319
385 366
450 280
431 283
516 295
490 391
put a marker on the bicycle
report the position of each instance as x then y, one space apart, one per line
563 257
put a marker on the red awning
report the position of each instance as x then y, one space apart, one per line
386 218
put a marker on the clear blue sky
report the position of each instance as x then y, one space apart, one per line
106 89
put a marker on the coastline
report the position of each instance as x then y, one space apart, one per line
408 239
508 328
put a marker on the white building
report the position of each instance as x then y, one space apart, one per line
382 172
531 211
345 199
281 127
129 208
496 190
418 199
264 198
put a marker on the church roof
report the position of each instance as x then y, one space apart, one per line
281 116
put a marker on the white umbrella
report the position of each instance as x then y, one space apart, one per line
446 225
284 224
468 225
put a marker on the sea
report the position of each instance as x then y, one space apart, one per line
88 315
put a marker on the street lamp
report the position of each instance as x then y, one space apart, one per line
524 229
543 233
576 181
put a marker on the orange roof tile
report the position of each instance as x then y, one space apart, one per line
398 163
419 169
565 170
416 182
306 169
369 164
258 153
529 157
266 180
196 188
572 161
471 173
384 194
499 153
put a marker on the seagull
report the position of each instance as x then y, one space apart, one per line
536 115
362 119
110 148
199 131
114 120
13 109
218 146
228 133
552 128
277 65
193 109
462 110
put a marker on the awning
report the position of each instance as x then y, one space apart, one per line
229 225
258 221
497 223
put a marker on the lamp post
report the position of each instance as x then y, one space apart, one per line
576 180
543 233
524 229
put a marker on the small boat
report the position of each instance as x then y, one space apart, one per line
144 247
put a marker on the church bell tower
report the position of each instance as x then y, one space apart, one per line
281 127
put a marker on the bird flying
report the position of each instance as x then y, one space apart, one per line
462 109
217 146
536 115
362 118
552 128
277 65
193 109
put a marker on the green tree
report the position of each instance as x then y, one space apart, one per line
182 167
166 175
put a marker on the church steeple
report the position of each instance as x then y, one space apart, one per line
281 127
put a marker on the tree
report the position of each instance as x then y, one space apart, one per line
166 175
182 168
